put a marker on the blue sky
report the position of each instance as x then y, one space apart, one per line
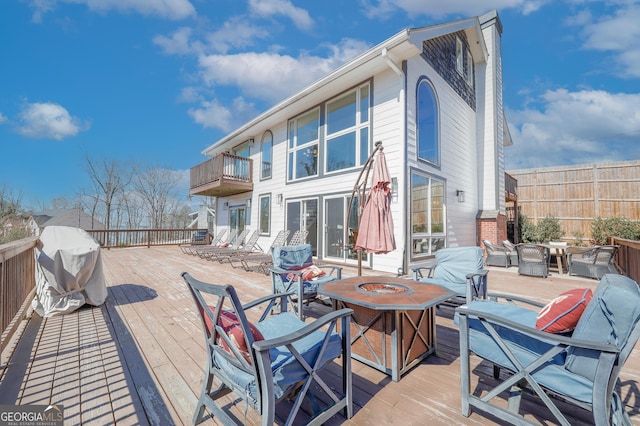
156 82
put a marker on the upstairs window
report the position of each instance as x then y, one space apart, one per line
266 147
427 122
347 130
303 145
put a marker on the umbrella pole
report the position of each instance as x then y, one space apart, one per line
360 189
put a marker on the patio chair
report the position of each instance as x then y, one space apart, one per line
190 248
275 358
581 367
294 273
593 262
250 245
298 237
459 269
496 255
513 253
533 260
233 244
262 261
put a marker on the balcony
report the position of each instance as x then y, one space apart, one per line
223 175
510 187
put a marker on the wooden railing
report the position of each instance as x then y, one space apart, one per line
148 237
627 258
222 166
510 187
17 285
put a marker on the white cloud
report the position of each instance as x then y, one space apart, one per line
213 114
48 121
439 8
268 8
237 32
575 127
167 9
618 33
3 118
278 75
178 43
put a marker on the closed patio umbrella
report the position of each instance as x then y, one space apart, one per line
375 231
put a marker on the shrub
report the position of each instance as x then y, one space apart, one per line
602 229
548 229
527 229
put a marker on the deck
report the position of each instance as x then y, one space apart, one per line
139 358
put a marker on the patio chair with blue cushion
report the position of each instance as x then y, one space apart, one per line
294 273
581 365
266 361
459 269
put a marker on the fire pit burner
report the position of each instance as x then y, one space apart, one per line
383 288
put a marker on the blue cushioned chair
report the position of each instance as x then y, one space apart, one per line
285 364
286 275
581 368
458 269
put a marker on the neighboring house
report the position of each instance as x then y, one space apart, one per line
432 96
75 218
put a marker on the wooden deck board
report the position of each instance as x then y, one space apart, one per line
139 358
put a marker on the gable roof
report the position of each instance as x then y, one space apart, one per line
391 52
75 218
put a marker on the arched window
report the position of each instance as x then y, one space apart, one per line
266 147
427 122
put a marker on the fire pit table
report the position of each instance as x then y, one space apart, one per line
394 319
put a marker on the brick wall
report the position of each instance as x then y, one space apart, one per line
492 229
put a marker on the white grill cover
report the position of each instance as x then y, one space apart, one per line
68 271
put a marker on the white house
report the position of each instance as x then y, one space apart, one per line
432 96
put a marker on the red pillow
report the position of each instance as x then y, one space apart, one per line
561 315
309 273
231 325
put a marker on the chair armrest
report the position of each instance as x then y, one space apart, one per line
481 273
278 270
271 301
557 339
417 272
265 345
336 269
512 298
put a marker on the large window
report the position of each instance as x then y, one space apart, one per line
266 148
303 145
428 123
264 215
347 130
427 215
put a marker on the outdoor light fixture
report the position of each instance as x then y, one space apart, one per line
460 195
225 205
279 198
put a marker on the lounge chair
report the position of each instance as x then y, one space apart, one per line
235 244
250 245
190 248
262 261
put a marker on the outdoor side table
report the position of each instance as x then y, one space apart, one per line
394 320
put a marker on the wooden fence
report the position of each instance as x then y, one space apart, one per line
17 285
628 257
577 194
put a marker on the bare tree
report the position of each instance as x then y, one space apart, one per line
109 178
157 187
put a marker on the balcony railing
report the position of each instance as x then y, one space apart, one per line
17 285
222 175
147 237
510 187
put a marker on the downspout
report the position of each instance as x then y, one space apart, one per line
403 137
